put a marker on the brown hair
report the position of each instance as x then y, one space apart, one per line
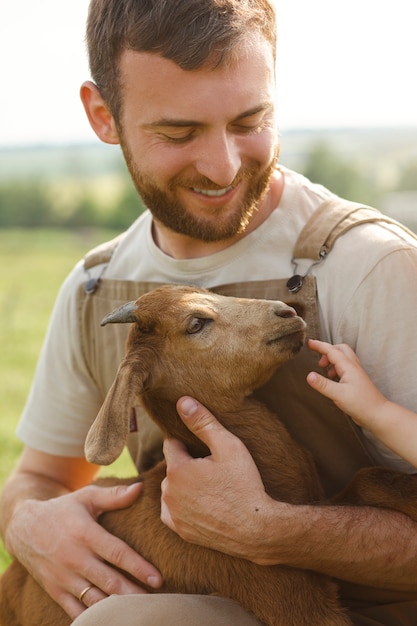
188 32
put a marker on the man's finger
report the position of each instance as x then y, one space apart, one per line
110 498
174 450
203 424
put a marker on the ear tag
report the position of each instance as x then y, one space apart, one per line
133 424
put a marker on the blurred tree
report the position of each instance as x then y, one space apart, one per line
408 177
323 165
25 205
85 213
31 204
127 209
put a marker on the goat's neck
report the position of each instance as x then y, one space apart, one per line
291 475
164 413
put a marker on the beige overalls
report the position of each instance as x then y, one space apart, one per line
335 442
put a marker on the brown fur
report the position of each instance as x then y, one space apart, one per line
235 350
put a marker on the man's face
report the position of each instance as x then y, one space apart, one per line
200 145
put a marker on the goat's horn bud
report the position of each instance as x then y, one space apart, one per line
125 314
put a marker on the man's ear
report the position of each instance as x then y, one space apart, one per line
98 114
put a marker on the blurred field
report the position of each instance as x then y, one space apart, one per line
34 263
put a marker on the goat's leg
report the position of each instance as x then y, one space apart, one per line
280 596
382 487
24 603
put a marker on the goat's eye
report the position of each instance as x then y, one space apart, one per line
195 325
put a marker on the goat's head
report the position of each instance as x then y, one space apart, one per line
188 341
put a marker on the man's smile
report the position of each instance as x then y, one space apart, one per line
213 193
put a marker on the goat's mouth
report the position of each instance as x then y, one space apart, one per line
294 339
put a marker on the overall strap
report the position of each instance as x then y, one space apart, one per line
332 219
102 253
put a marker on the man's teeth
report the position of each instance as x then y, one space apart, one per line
214 193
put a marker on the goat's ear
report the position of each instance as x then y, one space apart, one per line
107 436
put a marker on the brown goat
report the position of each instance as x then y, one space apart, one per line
186 341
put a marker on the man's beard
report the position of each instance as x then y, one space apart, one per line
167 209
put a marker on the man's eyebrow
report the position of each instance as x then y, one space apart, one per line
167 122
172 123
260 108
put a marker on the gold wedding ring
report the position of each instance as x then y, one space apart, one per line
84 591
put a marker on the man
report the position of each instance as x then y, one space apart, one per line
188 90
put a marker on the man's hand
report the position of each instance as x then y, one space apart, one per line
217 501
64 548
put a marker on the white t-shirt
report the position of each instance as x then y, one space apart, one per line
367 293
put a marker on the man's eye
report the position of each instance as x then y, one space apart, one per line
254 127
253 124
177 138
196 324
248 130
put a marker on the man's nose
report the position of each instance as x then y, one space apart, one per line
219 159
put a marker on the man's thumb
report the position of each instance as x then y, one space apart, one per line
198 419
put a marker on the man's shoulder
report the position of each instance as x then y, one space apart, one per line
103 253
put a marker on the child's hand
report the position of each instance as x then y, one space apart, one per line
338 359
355 394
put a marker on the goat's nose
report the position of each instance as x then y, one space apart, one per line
283 310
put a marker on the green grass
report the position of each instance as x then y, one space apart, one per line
33 264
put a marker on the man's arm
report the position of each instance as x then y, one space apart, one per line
48 519
220 501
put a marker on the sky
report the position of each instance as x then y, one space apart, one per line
340 64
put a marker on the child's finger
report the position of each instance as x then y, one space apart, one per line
321 384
